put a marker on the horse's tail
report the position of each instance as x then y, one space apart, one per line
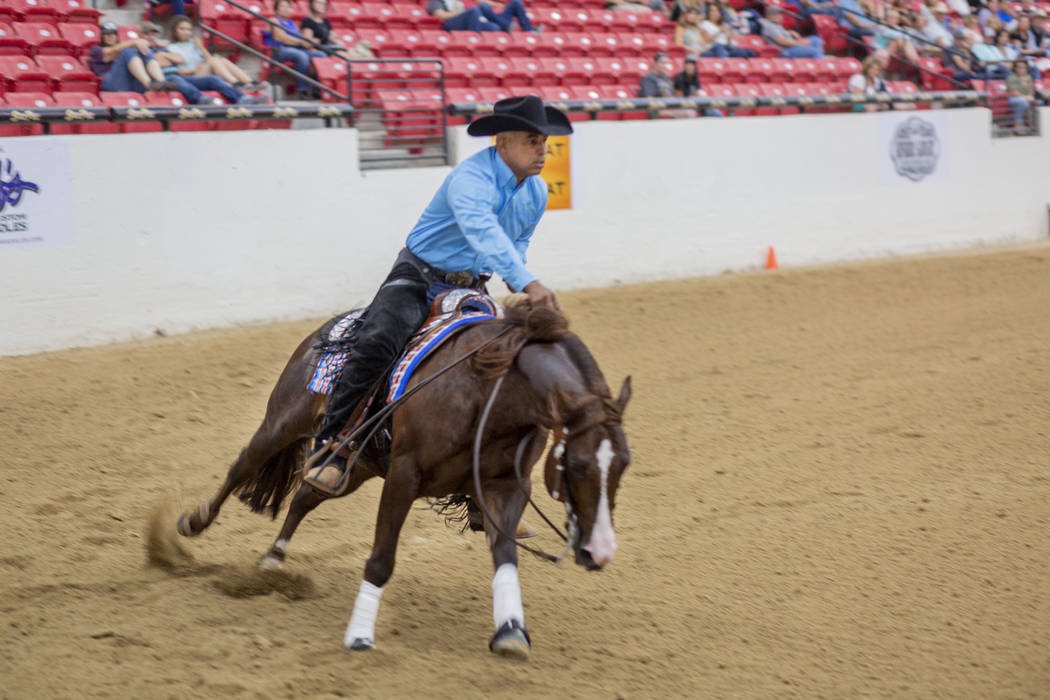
275 479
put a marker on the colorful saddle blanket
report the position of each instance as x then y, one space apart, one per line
451 312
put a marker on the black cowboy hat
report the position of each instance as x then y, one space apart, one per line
526 113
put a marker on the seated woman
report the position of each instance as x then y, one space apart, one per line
289 45
717 31
688 35
198 62
891 39
868 82
1021 94
126 66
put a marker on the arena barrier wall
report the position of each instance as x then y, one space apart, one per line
178 231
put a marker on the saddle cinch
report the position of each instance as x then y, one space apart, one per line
451 311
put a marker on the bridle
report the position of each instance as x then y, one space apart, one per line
572 522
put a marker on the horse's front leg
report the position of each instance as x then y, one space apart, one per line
399 491
506 501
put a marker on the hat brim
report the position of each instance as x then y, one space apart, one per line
491 124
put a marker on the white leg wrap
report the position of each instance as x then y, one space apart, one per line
363 621
506 596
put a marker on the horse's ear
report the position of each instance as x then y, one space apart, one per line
625 393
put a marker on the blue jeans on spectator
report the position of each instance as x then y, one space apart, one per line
191 87
300 60
730 51
814 50
119 78
484 19
1020 107
178 7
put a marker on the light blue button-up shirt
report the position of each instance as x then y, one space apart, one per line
481 220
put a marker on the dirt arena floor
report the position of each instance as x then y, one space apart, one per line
840 489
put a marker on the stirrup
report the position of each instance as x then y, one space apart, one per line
327 472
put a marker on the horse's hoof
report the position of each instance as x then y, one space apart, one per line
270 563
184 527
361 644
511 641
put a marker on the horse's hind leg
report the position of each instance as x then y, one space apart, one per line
270 460
306 499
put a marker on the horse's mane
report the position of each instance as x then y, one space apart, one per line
528 324
542 324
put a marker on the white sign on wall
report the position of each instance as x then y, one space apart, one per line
36 193
914 147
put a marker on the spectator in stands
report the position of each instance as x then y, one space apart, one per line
960 7
969 24
993 8
791 43
1006 46
288 45
993 62
1021 93
869 82
192 61
481 18
316 27
716 31
960 59
931 24
657 82
807 8
891 40
991 28
126 66
687 83
1041 29
638 7
854 19
687 33
677 8
1025 38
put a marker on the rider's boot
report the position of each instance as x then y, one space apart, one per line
325 469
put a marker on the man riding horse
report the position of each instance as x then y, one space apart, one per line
480 222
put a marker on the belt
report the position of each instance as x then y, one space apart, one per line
460 278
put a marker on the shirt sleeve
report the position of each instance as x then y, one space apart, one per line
433 6
472 198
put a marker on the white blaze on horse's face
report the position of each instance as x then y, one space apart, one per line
602 542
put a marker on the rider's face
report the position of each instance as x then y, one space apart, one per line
524 152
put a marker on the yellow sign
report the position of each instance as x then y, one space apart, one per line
557 173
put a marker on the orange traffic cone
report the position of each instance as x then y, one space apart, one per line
771 260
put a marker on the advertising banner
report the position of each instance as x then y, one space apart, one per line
36 192
557 173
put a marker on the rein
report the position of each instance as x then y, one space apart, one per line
376 420
517 470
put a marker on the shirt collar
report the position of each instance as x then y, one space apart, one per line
504 175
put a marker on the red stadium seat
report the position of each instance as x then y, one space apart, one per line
404 41
43 39
600 20
492 44
82 99
33 11
10 43
522 72
26 100
738 70
720 90
711 70
605 44
127 32
577 44
845 67
331 72
777 90
494 94
665 43
550 45
75 11
374 15
581 71
521 45
465 71
585 92
761 70
130 99
459 95
68 74
757 44
552 72
22 74
379 41
747 90
494 69
828 30
806 70
175 99
462 44
783 71
634 69
632 44
434 42
408 16
227 19
608 70
827 70
80 36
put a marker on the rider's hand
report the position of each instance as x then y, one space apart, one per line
540 295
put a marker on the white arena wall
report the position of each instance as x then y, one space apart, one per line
182 231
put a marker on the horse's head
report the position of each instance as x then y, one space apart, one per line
583 471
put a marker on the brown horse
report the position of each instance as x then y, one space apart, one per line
549 381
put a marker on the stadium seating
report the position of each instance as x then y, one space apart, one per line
22 74
43 38
10 43
68 74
